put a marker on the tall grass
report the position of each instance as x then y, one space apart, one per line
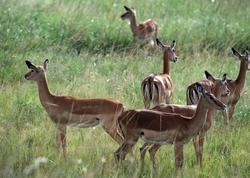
96 26
110 66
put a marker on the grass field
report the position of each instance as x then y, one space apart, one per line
110 66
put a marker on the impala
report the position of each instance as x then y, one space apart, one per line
193 96
70 111
143 31
162 128
157 89
235 86
218 87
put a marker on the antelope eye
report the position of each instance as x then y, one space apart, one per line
32 70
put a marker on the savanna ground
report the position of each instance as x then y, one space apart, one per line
110 65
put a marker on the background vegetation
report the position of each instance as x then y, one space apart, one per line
110 65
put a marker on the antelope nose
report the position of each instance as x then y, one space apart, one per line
26 76
175 59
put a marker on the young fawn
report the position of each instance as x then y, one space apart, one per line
144 31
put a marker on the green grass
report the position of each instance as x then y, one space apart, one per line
91 25
109 66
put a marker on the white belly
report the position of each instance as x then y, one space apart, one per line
82 121
159 137
163 137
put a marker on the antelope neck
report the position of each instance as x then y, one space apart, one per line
240 80
199 117
211 112
44 93
166 62
133 24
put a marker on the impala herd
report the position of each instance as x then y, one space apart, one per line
160 122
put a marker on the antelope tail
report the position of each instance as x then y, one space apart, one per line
150 90
191 94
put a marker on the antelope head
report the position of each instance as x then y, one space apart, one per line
128 14
211 100
36 73
219 84
241 57
169 50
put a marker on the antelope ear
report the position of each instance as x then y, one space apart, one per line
247 54
209 76
127 9
159 44
247 59
199 88
173 45
45 64
236 53
224 78
133 10
30 65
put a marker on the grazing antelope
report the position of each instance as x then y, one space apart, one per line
157 89
70 111
218 87
143 31
235 86
162 128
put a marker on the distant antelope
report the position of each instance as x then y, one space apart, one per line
162 128
144 31
157 89
218 87
235 86
70 111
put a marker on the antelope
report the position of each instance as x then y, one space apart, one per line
71 111
218 87
157 89
235 86
143 31
192 96
162 128
185 110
